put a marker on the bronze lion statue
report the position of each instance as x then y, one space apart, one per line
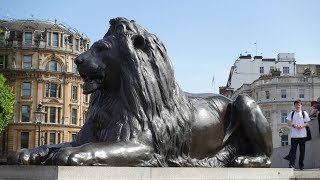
138 115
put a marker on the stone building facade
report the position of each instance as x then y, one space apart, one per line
276 94
37 57
246 69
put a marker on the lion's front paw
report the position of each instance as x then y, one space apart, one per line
249 161
71 156
61 157
28 156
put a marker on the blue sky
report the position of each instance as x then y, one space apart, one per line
203 38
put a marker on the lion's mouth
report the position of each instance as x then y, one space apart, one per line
91 84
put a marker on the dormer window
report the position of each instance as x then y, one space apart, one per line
53 66
28 38
76 44
55 39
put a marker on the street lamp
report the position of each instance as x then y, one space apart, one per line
39 115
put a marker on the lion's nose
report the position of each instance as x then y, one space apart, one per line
78 60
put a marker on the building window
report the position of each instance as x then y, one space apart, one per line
25 113
284 140
26 89
74 92
28 38
52 114
2 38
261 70
76 44
59 138
73 136
49 38
74 116
59 115
283 93
55 39
46 115
3 62
301 93
53 66
24 140
284 115
52 138
267 95
285 70
52 90
27 62
45 138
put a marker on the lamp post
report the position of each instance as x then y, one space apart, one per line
39 115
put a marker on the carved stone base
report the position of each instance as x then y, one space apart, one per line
92 173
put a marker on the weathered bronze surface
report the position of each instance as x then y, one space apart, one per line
139 116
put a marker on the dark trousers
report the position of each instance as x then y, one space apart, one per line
293 150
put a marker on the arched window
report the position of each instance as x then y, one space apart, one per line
53 66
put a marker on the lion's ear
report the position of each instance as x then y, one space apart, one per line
138 41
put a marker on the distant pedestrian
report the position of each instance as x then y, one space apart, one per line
298 120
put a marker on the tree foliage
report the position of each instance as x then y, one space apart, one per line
6 103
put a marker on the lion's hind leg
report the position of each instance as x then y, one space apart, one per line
254 131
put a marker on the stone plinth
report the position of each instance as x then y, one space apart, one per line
93 173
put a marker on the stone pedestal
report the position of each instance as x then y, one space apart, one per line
93 173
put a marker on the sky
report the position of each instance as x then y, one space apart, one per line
203 38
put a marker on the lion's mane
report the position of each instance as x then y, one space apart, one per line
149 99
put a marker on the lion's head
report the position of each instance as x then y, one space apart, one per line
132 81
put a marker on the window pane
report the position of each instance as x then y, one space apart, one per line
2 39
53 90
74 137
59 138
46 115
53 66
2 65
261 70
74 116
24 140
283 93
55 39
27 62
301 93
25 113
285 70
52 117
284 115
45 138
26 89
74 92
52 138
28 38
59 114
46 90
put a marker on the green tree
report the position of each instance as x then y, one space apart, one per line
6 103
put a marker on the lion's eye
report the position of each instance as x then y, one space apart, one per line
100 46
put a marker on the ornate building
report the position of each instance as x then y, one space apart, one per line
37 57
276 94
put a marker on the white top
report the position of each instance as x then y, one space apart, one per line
298 120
